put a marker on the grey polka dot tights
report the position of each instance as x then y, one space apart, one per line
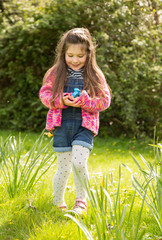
75 160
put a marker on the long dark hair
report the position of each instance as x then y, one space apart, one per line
91 74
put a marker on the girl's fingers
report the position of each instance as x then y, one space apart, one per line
71 97
69 100
76 104
65 99
66 96
76 99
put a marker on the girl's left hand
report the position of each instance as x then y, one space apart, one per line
69 100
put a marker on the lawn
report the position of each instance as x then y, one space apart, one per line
31 214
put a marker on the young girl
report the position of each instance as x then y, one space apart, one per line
74 121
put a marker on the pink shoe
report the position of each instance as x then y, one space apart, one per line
80 207
61 207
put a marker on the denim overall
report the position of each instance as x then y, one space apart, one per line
71 132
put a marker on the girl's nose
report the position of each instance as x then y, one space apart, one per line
75 59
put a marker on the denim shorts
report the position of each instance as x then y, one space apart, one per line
71 133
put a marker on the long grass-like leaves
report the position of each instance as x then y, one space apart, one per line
151 206
108 215
150 190
81 225
139 218
20 170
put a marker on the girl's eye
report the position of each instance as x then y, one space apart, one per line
80 56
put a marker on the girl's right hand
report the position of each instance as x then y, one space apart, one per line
69 100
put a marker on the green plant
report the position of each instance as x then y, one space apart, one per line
108 219
150 187
22 169
18 220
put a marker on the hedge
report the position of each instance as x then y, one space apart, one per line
127 34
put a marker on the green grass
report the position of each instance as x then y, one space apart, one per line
32 216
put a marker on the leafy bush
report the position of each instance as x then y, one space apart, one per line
128 38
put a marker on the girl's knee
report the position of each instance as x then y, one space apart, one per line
79 166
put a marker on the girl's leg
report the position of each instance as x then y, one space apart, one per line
64 161
80 156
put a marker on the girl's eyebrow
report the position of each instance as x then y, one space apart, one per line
76 54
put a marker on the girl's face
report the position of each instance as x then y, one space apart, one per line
76 56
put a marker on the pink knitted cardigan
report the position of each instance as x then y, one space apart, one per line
90 106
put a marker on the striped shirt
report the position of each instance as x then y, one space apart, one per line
76 74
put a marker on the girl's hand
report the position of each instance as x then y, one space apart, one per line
69 100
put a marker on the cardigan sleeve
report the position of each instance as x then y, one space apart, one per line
46 93
98 103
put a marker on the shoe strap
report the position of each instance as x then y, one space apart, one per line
81 204
61 206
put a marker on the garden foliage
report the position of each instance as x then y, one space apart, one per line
111 217
21 170
127 35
